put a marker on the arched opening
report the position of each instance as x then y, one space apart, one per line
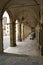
6 30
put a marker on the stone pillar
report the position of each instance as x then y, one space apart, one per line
13 34
19 32
1 37
41 39
22 31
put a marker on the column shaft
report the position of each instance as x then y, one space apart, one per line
13 34
1 37
19 32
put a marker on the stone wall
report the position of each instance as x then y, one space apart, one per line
27 31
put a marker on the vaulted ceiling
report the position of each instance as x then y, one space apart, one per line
29 9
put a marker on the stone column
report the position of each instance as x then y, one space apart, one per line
23 31
22 27
41 39
13 34
19 32
41 30
1 37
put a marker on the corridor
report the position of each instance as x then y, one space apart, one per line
26 47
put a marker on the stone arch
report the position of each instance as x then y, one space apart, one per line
11 28
8 11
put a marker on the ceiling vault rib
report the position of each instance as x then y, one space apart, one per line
24 6
36 2
20 5
6 4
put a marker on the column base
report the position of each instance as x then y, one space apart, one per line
20 40
14 45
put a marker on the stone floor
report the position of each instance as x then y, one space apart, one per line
6 42
26 47
12 59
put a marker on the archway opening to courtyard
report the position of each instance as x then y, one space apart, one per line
6 30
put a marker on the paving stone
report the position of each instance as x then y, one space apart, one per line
35 63
12 59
